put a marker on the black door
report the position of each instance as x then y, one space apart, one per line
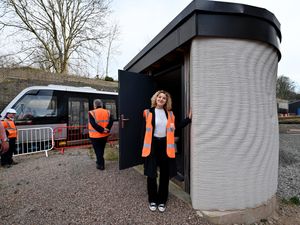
135 91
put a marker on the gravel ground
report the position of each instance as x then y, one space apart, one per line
67 189
289 166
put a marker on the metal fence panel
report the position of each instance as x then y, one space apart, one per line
34 140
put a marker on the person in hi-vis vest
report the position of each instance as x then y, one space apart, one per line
100 123
11 133
159 148
3 140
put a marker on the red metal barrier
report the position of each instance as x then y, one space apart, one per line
74 137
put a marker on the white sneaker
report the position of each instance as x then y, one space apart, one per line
161 207
152 206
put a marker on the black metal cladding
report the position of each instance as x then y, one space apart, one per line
210 18
237 26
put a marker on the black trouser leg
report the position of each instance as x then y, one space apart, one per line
162 161
163 189
152 189
12 149
99 146
6 158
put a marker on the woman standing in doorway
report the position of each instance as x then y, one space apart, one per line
159 148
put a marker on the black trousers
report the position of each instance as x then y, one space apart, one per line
6 158
159 194
99 146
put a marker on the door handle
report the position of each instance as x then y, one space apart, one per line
123 120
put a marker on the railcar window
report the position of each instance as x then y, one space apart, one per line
33 106
78 111
111 106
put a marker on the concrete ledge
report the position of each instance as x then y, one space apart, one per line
293 131
245 216
180 193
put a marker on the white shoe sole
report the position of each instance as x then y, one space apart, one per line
161 208
152 207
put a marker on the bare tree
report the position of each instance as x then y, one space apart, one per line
285 88
8 60
55 31
112 37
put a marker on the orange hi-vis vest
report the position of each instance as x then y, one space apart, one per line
170 148
10 127
101 117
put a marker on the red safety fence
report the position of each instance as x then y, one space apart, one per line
77 137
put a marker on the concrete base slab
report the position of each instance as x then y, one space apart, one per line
245 216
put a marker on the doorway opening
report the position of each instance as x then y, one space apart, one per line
171 80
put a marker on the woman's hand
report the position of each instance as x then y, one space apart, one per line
172 126
190 114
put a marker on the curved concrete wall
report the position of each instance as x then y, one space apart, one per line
234 136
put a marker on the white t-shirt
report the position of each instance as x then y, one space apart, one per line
160 123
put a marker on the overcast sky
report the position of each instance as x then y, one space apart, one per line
141 20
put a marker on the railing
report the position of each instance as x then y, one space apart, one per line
34 140
71 137
44 139
77 137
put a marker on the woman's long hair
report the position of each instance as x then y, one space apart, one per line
168 105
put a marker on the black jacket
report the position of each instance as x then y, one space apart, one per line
150 165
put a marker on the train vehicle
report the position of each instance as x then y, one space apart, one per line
64 109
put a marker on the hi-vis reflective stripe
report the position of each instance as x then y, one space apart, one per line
146 145
102 118
12 130
93 131
101 121
170 135
171 146
148 134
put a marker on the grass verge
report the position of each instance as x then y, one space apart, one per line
292 201
111 153
289 120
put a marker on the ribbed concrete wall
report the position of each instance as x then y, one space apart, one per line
234 136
